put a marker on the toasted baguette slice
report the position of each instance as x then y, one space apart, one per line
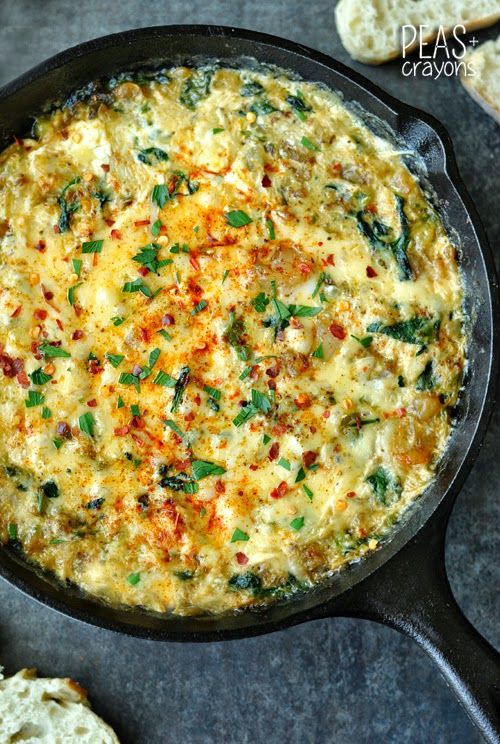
370 30
484 85
48 711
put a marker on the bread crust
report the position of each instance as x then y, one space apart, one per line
476 86
372 58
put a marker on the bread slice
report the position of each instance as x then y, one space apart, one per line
370 30
48 711
484 85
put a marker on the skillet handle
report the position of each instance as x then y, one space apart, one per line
412 594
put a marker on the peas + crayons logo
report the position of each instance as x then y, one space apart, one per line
430 62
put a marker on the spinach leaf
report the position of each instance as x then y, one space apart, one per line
386 488
378 235
152 154
251 89
234 335
180 387
67 207
417 330
246 580
426 379
261 107
196 87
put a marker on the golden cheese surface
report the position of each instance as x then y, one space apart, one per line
231 335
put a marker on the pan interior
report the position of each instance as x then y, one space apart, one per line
163 48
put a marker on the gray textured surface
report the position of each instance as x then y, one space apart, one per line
332 681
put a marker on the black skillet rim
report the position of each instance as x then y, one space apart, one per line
320 599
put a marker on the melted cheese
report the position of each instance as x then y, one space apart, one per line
300 273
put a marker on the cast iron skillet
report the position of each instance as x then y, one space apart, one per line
404 583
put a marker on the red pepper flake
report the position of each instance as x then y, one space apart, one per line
141 223
351 494
143 271
194 262
253 467
241 558
337 330
116 235
59 323
94 367
336 168
329 260
56 228
18 140
372 208
370 272
122 431
280 491
266 181
304 268
271 384
197 399
302 401
40 314
145 334
109 222
105 167
308 458
326 414
92 403
168 320
274 451
77 335
22 378
47 293
40 246
189 416
219 487
278 430
254 372
272 372
139 442
16 312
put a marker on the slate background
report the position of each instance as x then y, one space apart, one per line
338 681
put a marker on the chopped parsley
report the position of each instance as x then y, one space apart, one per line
39 377
114 359
48 350
239 536
87 423
202 469
148 257
77 266
93 246
164 379
237 218
297 523
365 342
138 285
134 578
310 145
199 307
34 399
